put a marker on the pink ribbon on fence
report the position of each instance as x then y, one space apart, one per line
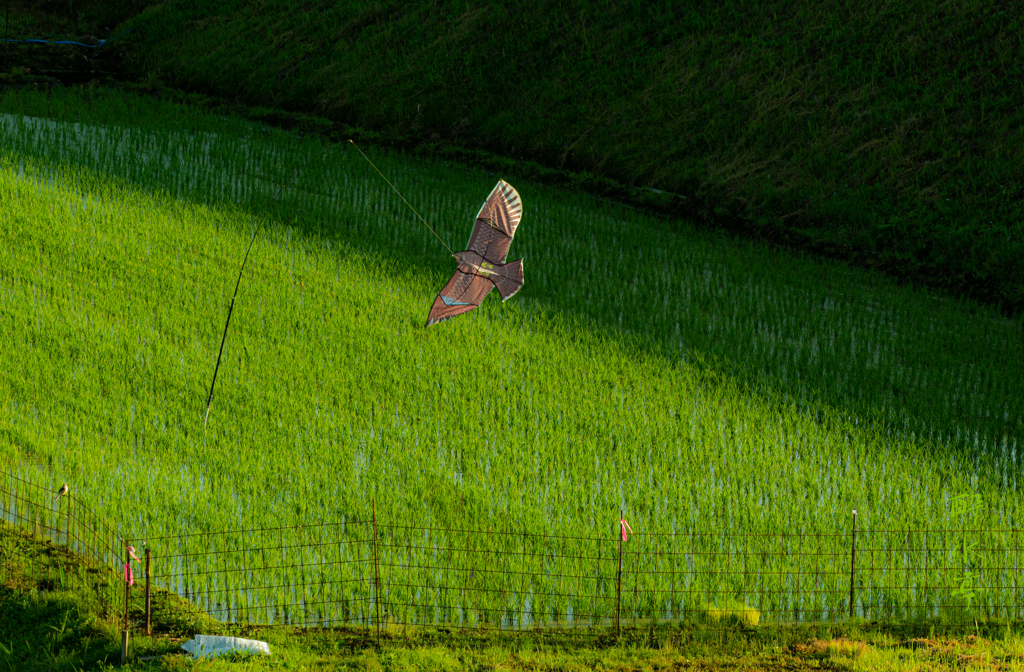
623 525
129 576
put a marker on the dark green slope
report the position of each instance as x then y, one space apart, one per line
888 133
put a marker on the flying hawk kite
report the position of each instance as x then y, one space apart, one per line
482 267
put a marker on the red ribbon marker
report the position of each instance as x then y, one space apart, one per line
624 526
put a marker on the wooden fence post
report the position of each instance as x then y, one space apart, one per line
853 558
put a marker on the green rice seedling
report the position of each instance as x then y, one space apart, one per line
737 402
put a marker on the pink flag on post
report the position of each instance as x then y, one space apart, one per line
129 576
624 526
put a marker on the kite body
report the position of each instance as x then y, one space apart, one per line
482 267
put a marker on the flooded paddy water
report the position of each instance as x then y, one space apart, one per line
736 403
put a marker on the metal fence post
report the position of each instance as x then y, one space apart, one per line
127 587
67 523
853 558
618 581
149 606
522 586
376 570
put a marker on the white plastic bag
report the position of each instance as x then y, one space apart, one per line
211 646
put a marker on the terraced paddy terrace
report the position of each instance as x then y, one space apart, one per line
735 402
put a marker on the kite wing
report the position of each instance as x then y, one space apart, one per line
496 223
463 293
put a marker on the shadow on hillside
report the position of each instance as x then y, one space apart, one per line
720 357
555 293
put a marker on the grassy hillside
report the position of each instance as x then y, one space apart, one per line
887 133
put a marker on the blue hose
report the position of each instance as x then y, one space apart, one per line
89 46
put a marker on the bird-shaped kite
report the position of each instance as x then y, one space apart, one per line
482 267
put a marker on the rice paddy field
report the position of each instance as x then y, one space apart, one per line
735 402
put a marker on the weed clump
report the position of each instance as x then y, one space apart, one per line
730 612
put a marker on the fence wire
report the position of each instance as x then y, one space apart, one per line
367 573
334 575
66 522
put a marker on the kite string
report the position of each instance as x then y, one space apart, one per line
403 198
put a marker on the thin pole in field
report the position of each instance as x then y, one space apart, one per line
406 607
672 611
231 307
465 571
783 555
127 587
522 586
264 592
376 570
323 572
57 522
618 581
340 591
149 605
597 584
243 552
906 575
230 592
853 557
67 523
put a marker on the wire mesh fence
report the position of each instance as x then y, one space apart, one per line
378 575
66 522
367 573
309 575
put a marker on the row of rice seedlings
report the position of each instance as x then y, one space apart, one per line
539 458
847 362
857 358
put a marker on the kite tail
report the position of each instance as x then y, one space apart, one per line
511 279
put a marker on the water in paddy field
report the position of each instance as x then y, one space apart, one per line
180 162
835 333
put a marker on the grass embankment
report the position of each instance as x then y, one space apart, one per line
588 393
48 623
53 618
886 133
